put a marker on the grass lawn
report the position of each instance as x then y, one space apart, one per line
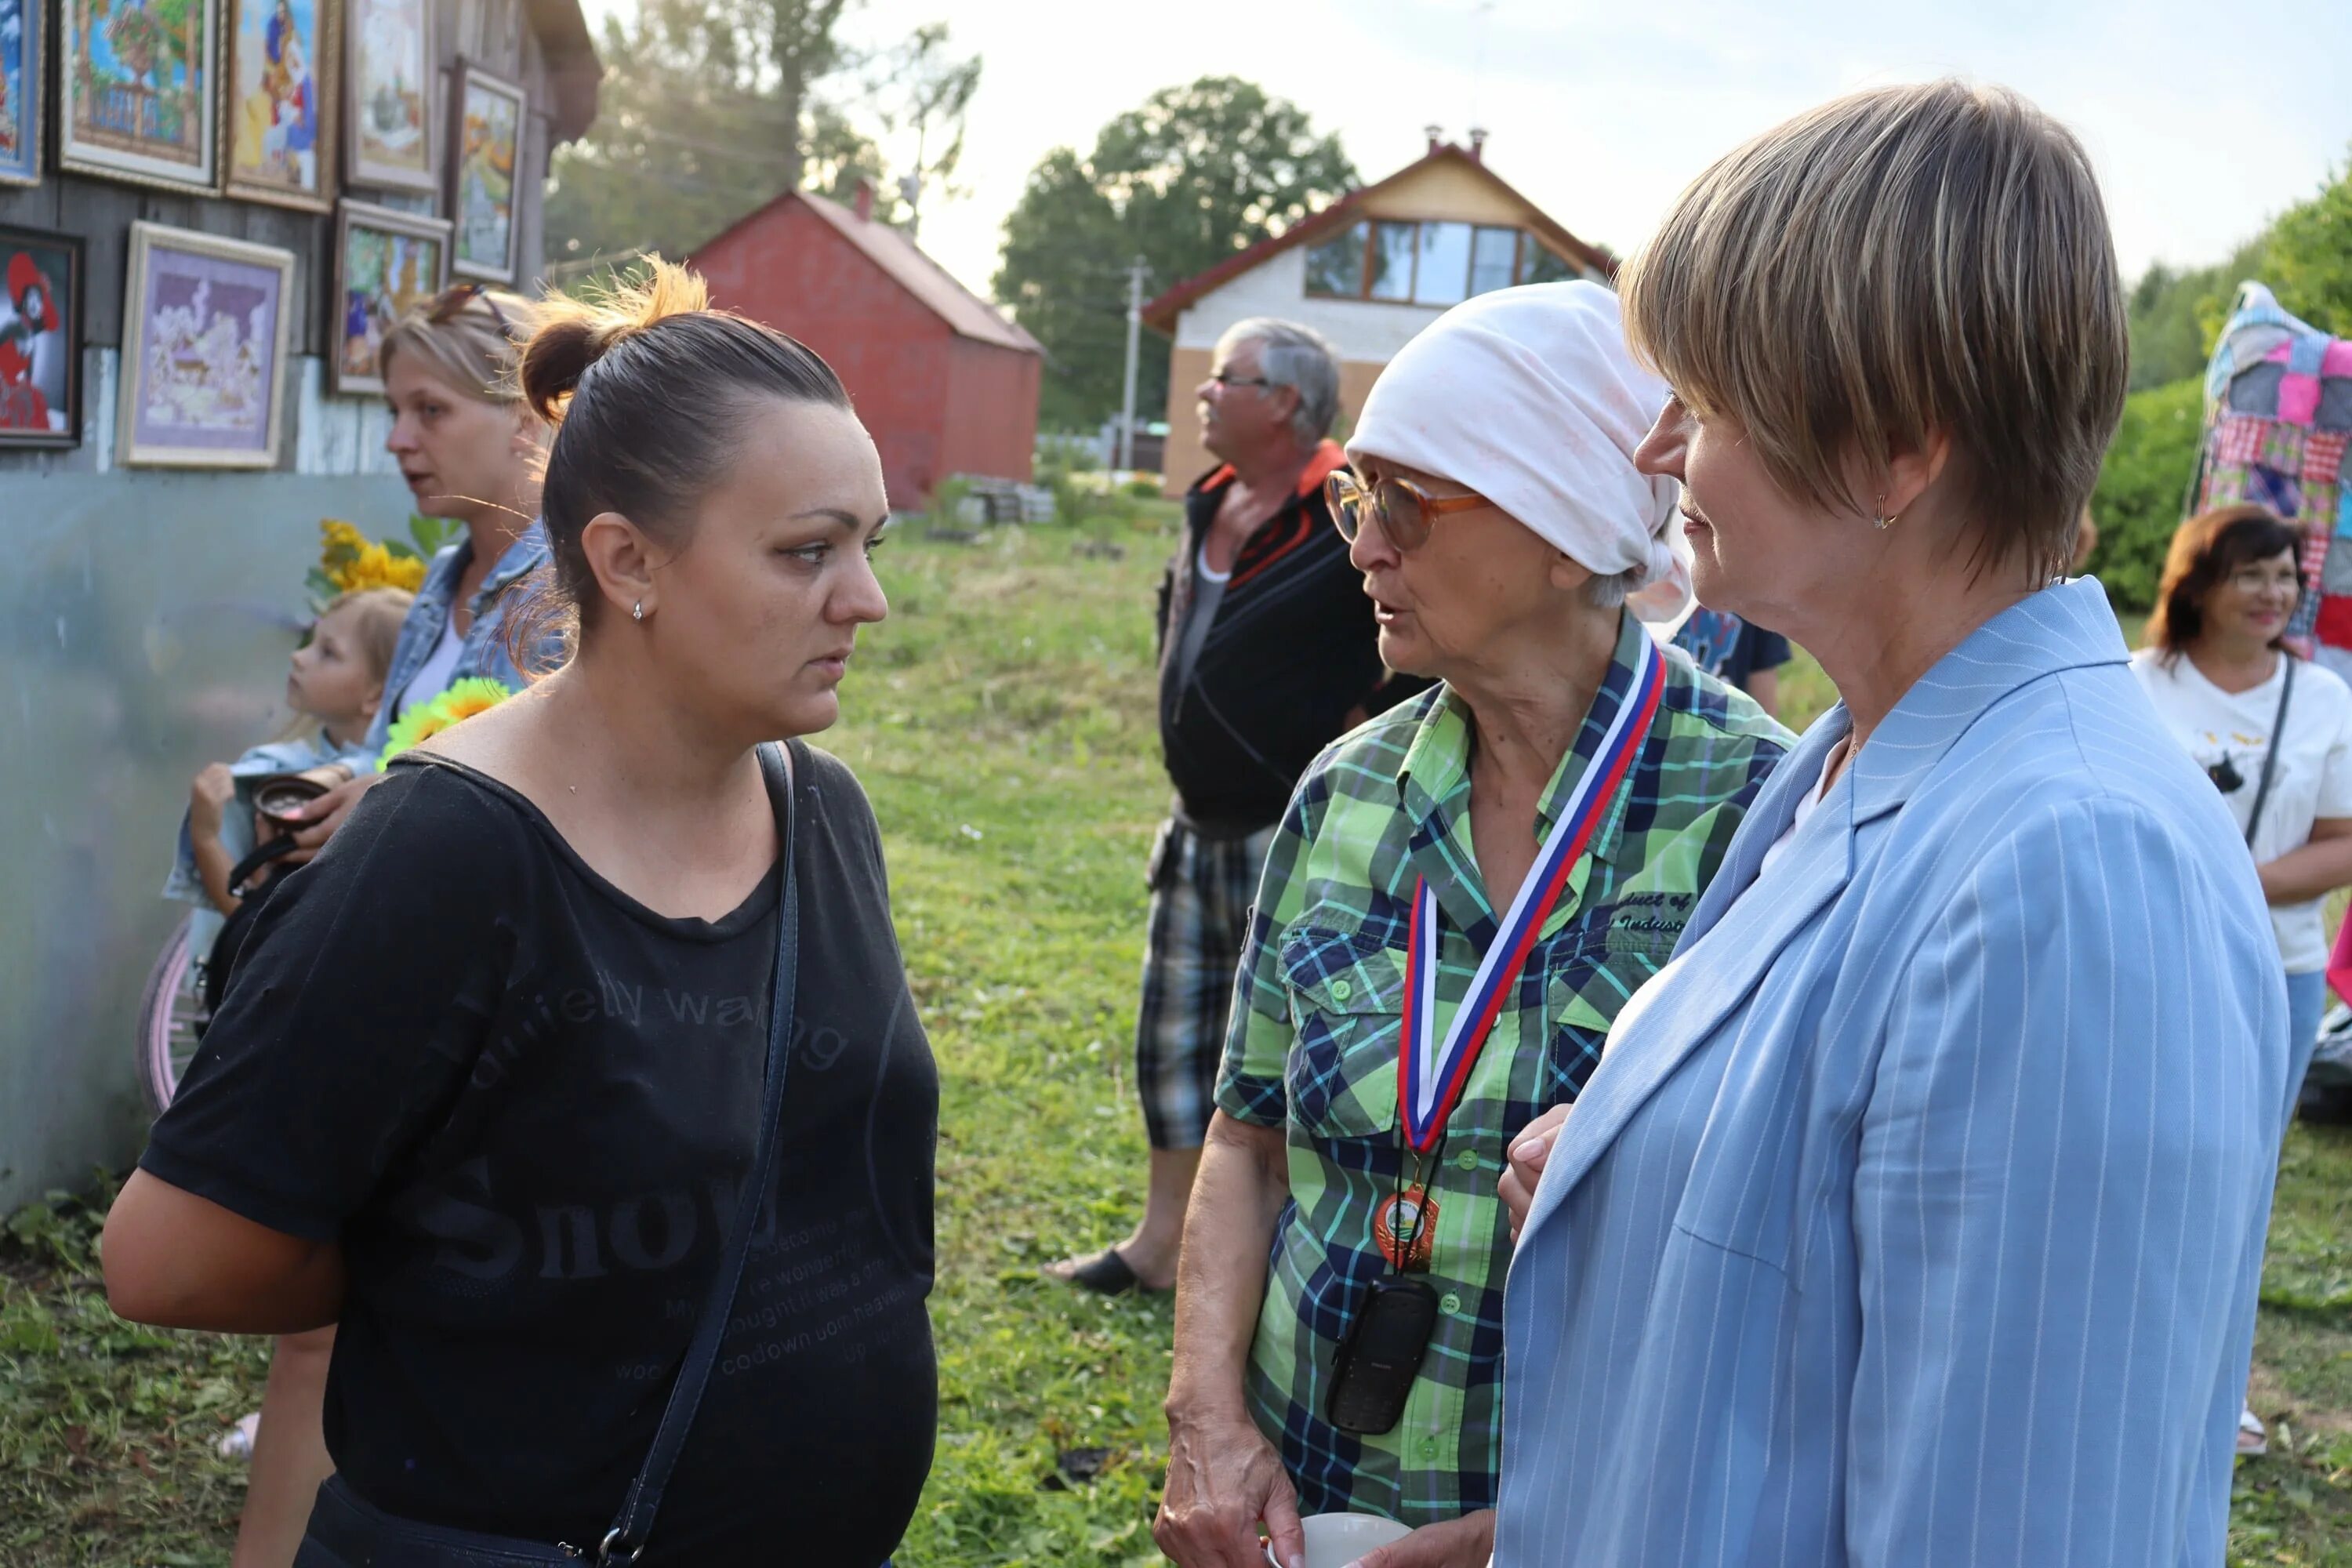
1002 721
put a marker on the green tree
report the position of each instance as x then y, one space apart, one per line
2308 256
2142 486
2174 312
1194 174
921 85
2305 258
712 107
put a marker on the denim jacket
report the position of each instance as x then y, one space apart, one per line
484 651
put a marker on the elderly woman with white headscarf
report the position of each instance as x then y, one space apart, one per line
1462 895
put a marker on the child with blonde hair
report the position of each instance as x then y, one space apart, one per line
334 684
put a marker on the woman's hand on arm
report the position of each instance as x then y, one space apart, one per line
179 1261
1464 1543
324 817
2315 871
1530 1153
1223 1477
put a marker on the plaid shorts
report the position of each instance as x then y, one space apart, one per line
1202 889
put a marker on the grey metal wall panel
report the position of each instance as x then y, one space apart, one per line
144 624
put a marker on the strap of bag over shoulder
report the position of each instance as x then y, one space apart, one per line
2269 757
635 1521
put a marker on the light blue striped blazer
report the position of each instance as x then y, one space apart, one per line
1915 1216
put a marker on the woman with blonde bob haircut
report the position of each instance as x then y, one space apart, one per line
1915 1214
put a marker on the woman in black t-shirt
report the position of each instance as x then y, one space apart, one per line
484 1088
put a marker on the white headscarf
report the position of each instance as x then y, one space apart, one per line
1530 397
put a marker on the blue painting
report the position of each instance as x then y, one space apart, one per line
20 91
136 90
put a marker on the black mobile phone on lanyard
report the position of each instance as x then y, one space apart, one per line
1381 1356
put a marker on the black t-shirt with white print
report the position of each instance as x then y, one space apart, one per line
525 1103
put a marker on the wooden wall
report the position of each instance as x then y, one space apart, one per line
493 34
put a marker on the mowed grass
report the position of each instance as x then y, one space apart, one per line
1002 721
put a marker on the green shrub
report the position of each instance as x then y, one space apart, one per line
2142 486
1143 489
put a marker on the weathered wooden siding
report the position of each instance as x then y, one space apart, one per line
491 33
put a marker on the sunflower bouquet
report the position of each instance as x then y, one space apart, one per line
349 560
477 694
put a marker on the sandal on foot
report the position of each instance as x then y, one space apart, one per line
1107 1273
2254 1442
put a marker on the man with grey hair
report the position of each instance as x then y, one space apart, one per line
1267 653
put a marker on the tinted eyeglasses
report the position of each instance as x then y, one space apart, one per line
1400 508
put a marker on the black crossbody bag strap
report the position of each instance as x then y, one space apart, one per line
2269 757
635 1522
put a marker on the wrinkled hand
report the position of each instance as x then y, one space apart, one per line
1529 1152
208 797
324 816
1223 1477
1464 1543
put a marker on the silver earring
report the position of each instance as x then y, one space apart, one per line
637 612
1886 519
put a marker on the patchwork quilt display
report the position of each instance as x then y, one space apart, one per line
2278 417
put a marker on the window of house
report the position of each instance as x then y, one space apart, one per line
1441 275
1543 266
1391 261
1433 263
1336 265
1493 259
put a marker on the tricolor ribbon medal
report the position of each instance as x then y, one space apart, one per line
1431 1074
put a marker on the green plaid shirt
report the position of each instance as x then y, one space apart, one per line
1313 1047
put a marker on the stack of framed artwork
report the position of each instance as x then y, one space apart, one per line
335 107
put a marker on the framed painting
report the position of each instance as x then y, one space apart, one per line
21 27
385 262
40 338
136 99
279 74
485 149
205 334
390 84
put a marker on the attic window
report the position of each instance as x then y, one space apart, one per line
1336 264
1543 266
1433 263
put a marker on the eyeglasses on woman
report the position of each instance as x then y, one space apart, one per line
1400 508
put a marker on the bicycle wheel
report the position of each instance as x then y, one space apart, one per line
169 1014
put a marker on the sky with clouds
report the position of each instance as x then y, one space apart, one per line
2201 126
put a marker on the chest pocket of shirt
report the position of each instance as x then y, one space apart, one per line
1346 1008
1584 992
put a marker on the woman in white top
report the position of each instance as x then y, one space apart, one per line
2273 731
2218 674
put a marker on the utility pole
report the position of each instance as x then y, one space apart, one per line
1134 334
910 187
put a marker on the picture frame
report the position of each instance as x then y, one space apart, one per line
487 115
281 67
110 122
391 68
41 312
385 262
24 83
207 325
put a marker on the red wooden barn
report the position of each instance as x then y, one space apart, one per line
945 383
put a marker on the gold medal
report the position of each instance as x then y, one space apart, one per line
1403 1228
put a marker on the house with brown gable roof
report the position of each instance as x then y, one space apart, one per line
1368 272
